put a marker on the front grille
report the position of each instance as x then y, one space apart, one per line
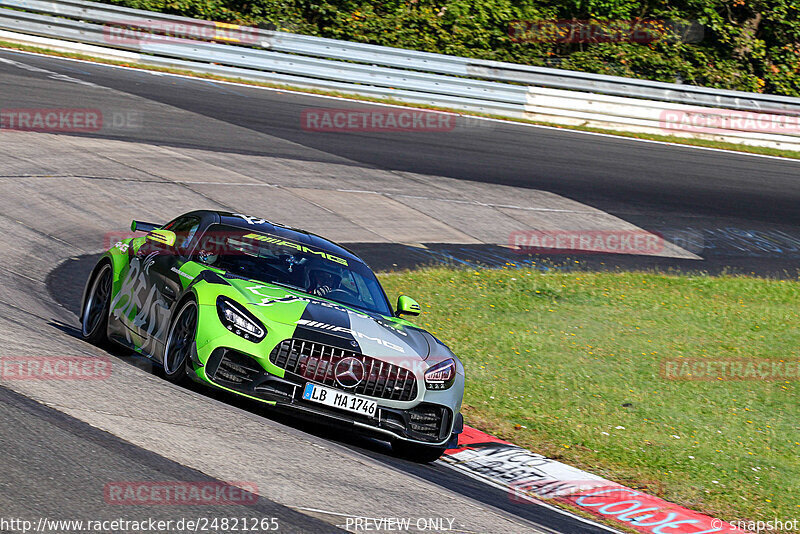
317 362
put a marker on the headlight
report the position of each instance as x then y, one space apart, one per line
239 321
441 376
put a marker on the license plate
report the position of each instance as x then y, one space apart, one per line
339 399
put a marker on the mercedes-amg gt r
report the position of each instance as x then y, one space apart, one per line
281 316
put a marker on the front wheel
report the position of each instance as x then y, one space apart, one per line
94 316
417 453
180 341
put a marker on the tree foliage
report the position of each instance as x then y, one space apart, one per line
749 45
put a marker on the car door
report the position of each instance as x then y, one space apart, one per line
161 267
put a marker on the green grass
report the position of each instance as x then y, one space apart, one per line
707 143
558 362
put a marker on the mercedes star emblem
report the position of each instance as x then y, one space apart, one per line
349 372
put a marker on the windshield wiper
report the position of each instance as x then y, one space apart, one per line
290 286
303 290
228 274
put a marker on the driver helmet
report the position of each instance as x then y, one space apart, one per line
207 257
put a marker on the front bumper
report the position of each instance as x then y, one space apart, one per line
425 422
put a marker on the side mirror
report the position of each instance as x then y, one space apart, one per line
407 306
162 237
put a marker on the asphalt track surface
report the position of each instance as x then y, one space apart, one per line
52 465
63 445
654 186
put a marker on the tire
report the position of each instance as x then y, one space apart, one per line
181 337
417 453
94 315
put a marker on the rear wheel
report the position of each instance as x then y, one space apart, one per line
94 316
180 341
418 453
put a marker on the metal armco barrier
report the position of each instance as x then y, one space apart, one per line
537 93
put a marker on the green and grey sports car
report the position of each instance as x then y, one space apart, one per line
282 316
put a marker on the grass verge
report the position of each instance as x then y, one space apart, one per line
650 137
569 365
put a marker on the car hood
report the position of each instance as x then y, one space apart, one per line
327 322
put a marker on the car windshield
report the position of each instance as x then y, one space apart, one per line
273 259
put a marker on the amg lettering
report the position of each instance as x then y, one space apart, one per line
296 246
360 335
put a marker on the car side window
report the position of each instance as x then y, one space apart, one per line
185 229
362 290
186 246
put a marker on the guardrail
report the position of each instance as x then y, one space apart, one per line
553 95
434 63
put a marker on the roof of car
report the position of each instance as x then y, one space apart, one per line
260 224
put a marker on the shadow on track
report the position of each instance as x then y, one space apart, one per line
65 284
